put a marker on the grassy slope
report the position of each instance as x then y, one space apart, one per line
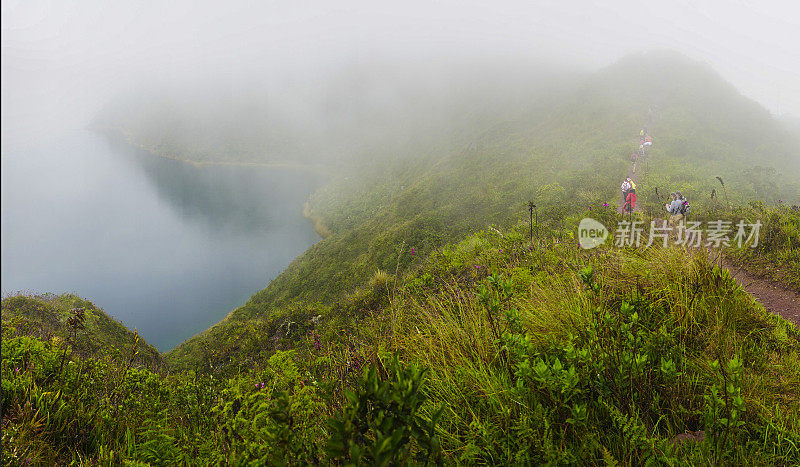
45 317
690 311
566 152
532 358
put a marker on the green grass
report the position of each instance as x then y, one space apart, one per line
424 327
45 316
542 354
687 312
777 254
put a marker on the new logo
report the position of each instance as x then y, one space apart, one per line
591 233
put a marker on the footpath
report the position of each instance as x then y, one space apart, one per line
773 296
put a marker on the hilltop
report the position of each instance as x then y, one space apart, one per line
46 317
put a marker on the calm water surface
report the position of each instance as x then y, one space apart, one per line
161 245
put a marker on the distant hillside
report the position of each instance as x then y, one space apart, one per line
359 113
45 316
567 151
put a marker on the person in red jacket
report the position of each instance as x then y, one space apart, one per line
630 201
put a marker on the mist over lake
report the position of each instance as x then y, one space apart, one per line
161 245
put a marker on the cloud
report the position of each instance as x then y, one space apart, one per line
62 60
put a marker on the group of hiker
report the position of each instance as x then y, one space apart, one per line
677 207
645 141
628 186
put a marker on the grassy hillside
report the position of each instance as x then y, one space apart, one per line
566 151
93 333
427 327
507 352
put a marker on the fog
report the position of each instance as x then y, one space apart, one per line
62 61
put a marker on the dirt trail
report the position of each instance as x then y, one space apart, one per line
775 297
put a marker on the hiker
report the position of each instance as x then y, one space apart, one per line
630 201
648 141
676 208
634 156
626 187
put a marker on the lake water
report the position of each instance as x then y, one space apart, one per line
161 245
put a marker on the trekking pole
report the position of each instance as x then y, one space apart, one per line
531 207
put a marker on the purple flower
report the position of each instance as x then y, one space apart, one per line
413 251
501 250
590 208
477 266
605 205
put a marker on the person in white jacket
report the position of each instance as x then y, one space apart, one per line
626 187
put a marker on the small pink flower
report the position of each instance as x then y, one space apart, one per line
605 205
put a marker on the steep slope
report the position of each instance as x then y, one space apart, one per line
566 151
532 354
46 316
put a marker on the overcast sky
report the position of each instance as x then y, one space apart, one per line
62 59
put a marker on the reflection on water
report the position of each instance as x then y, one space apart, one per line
164 246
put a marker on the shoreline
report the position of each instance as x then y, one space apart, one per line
119 132
319 224
317 221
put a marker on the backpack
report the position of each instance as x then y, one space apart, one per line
685 208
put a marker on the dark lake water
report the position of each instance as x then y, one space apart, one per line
163 246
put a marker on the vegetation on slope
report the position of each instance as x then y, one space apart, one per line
391 341
94 333
777 254
532 353
566 152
